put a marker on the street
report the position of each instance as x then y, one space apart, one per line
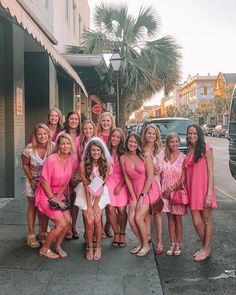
217 275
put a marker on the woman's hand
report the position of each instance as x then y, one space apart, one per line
156 169
166 193
90 212
140 202
117 190
208 201
133 204
96 211
33 184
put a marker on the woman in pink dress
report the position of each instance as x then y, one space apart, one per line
105 124
117 189
57 171
143 189
33 158
152 144
172 177
72 127
200 187
94 166
88 130
54 122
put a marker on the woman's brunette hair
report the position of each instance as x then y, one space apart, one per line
200 146
121 146
88 161
66 125
139 142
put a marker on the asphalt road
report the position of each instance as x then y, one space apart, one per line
217 275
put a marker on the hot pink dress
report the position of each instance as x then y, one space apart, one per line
57 174
138 177
171 173
197 181
113 180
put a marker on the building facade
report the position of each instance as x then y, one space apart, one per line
34 75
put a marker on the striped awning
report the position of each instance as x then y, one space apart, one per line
23 18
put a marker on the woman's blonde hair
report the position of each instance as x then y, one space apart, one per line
169 137
113 125
50 145
60 125
67 136
157 142
82 137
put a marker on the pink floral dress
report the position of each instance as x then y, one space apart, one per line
171 173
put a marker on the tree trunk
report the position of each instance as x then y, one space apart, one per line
123 114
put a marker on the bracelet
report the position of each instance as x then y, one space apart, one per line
50 198
170 189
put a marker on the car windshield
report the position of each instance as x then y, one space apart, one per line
177 126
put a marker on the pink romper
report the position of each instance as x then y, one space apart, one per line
197 181
113 180
138 177
171 173
57 174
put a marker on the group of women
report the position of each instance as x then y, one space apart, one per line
97 168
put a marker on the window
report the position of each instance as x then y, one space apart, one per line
205 90
74 17
67 10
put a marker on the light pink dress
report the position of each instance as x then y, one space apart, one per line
138 177
158 160
197 181
171 173
81 200
57 174
113 180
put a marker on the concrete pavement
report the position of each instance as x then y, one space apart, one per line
22 271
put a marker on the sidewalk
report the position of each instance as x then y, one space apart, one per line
22 271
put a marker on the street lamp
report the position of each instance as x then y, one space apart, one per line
115 61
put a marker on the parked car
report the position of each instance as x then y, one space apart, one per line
232 136
139 129
168 125
220 130
208 129
130 128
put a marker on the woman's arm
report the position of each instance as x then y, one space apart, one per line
210 169
128 181
149 171
26 167
85 183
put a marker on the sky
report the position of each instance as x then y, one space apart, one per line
205 29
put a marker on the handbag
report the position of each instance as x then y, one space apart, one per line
156 207
56 206
179 196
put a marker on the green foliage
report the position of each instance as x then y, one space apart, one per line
149 64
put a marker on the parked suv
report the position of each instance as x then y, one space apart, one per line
220 130
208 129
168 125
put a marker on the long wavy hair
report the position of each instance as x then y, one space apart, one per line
121 146
113 125
139 142
88 161
66 125
200 146
168 150
157 143
82 137
60 126
50 145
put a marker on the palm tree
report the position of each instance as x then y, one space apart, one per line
148 64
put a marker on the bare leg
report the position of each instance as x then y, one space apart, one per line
122 218
133 225
62 234
31 215
179 229
141 224
171 227
198 224
207 220
158 222
148 224
74 216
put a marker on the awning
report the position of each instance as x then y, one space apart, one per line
24 19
